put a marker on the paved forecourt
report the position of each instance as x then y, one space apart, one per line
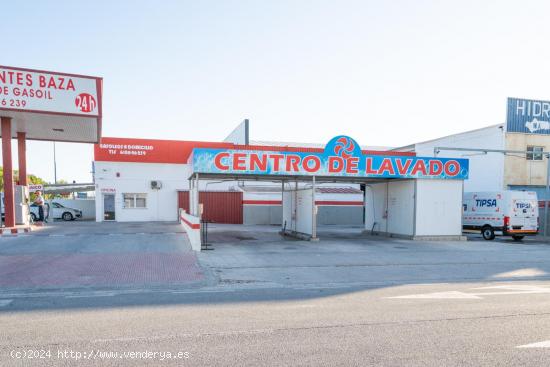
90 254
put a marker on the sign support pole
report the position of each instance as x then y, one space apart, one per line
283 224
9 207
197 197
547 195
313 211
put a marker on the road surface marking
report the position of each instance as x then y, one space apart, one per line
440 295
544 344
505 290
517 287
5 302
521 273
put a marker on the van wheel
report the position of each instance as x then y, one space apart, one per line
67 216
517 238
488 233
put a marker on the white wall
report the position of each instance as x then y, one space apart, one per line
192 226
289 207
304 211
375 207
86 205
239 135
435 209
401 207
486 170
438 207
297 211
135 178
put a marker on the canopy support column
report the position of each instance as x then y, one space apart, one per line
197 196
283 224
22 157
9 211
313 212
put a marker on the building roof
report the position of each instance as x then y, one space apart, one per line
272 143
411 147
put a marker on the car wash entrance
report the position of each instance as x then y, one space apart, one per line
409 196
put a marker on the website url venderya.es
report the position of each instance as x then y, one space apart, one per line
96 354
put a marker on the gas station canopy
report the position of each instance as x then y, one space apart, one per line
51 106
42 105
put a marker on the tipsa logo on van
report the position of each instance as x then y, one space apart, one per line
523 205
488 203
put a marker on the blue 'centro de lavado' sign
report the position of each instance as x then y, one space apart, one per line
528 116
342 157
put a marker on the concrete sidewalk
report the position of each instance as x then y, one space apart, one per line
90 254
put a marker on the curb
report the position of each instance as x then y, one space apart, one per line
13 231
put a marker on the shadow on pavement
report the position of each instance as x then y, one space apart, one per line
102 265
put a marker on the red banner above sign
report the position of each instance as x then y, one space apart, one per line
148 150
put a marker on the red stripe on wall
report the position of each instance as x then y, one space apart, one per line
178 151
318 202
192 225
326 202
262 202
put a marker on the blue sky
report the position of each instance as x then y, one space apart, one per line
384 72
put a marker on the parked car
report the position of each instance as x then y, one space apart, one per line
507 213
57 211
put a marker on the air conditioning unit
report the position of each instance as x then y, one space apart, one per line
156 185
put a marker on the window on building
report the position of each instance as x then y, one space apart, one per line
534 153
132 201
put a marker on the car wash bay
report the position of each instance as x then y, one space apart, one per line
260 203
408 208
406 196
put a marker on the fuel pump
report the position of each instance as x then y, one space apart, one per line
22 205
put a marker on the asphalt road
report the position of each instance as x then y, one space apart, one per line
342 301
457 325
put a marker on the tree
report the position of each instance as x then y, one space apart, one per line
33 179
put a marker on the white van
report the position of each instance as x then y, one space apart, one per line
509 213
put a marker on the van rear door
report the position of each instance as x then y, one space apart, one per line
524 215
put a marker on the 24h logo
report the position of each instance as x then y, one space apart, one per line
85 102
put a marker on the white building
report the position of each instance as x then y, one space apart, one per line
147 180
386 192
486 169
522 139
125 191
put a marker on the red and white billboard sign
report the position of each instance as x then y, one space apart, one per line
148 150
50 92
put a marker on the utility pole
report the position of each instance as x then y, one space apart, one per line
54 165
